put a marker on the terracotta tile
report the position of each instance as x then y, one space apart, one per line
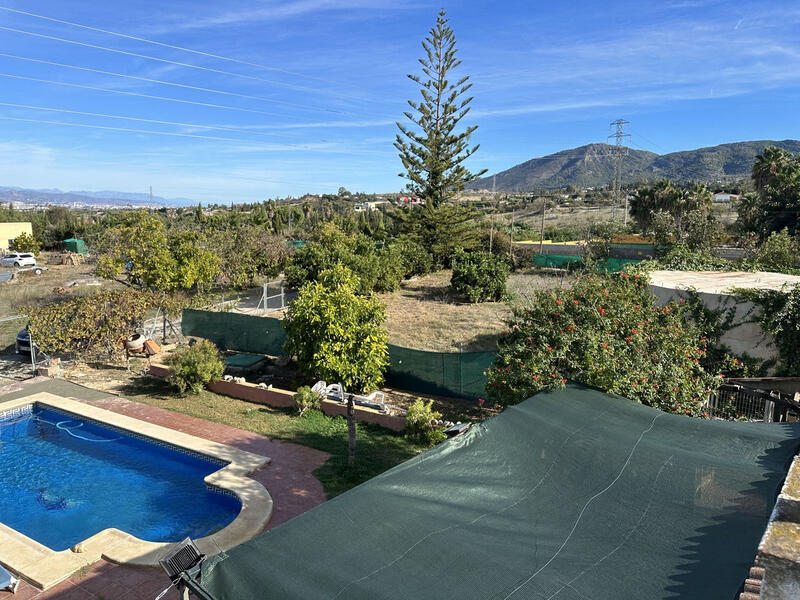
70 593
25 591
113 591
152 589
133 577
97 583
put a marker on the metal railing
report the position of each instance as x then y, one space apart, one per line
740 402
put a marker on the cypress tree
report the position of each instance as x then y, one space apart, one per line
432 156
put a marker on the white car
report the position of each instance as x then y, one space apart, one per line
18 259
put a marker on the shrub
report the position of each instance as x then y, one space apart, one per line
25 243
609 333
679 257
480 276
191 368
419 423
778 253
307 399
779 315
374 270
599 240
336 334
416 260
391 270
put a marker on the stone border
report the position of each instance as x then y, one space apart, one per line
45 567
779 550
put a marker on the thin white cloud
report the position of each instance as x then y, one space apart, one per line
274 11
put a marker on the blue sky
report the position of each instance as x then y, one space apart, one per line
315 108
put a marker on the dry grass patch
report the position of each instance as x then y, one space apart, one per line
426 314
33 290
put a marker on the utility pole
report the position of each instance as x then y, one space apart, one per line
619 135
511 245
541 231
491 215
151 195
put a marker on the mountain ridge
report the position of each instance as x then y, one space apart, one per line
592 165
101 199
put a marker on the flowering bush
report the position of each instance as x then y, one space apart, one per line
609 333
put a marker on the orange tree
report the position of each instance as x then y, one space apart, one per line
90 326
609 333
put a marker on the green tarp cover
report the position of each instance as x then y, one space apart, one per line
571 495
242 360
75 245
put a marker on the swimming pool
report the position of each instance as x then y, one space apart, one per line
64 478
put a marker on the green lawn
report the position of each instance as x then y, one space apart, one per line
377 449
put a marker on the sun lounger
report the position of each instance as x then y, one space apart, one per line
8 581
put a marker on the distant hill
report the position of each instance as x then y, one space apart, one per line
593 166
104 199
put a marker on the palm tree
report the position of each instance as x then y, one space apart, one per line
768 165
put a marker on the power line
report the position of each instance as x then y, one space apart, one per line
146 56
187 135
140 95
159 122
652 143
180 85
162 44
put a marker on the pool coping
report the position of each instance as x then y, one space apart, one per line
45 567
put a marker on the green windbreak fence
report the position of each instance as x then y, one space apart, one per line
453 374
556 261
234 331
458 374
570 495
563 261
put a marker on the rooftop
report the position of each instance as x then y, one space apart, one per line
720 282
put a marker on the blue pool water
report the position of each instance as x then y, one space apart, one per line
63 479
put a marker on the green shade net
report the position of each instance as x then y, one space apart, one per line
571 495
456 374
563 261
453 374
233 331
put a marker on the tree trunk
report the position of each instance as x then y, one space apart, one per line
351 432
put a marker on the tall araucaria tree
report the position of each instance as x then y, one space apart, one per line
433 155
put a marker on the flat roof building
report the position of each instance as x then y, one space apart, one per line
10 231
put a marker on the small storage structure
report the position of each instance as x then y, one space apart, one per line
75 245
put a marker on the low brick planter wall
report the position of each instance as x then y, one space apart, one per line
158 370
283 398
365 415
253 393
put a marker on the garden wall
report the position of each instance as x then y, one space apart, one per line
452 374
713 289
